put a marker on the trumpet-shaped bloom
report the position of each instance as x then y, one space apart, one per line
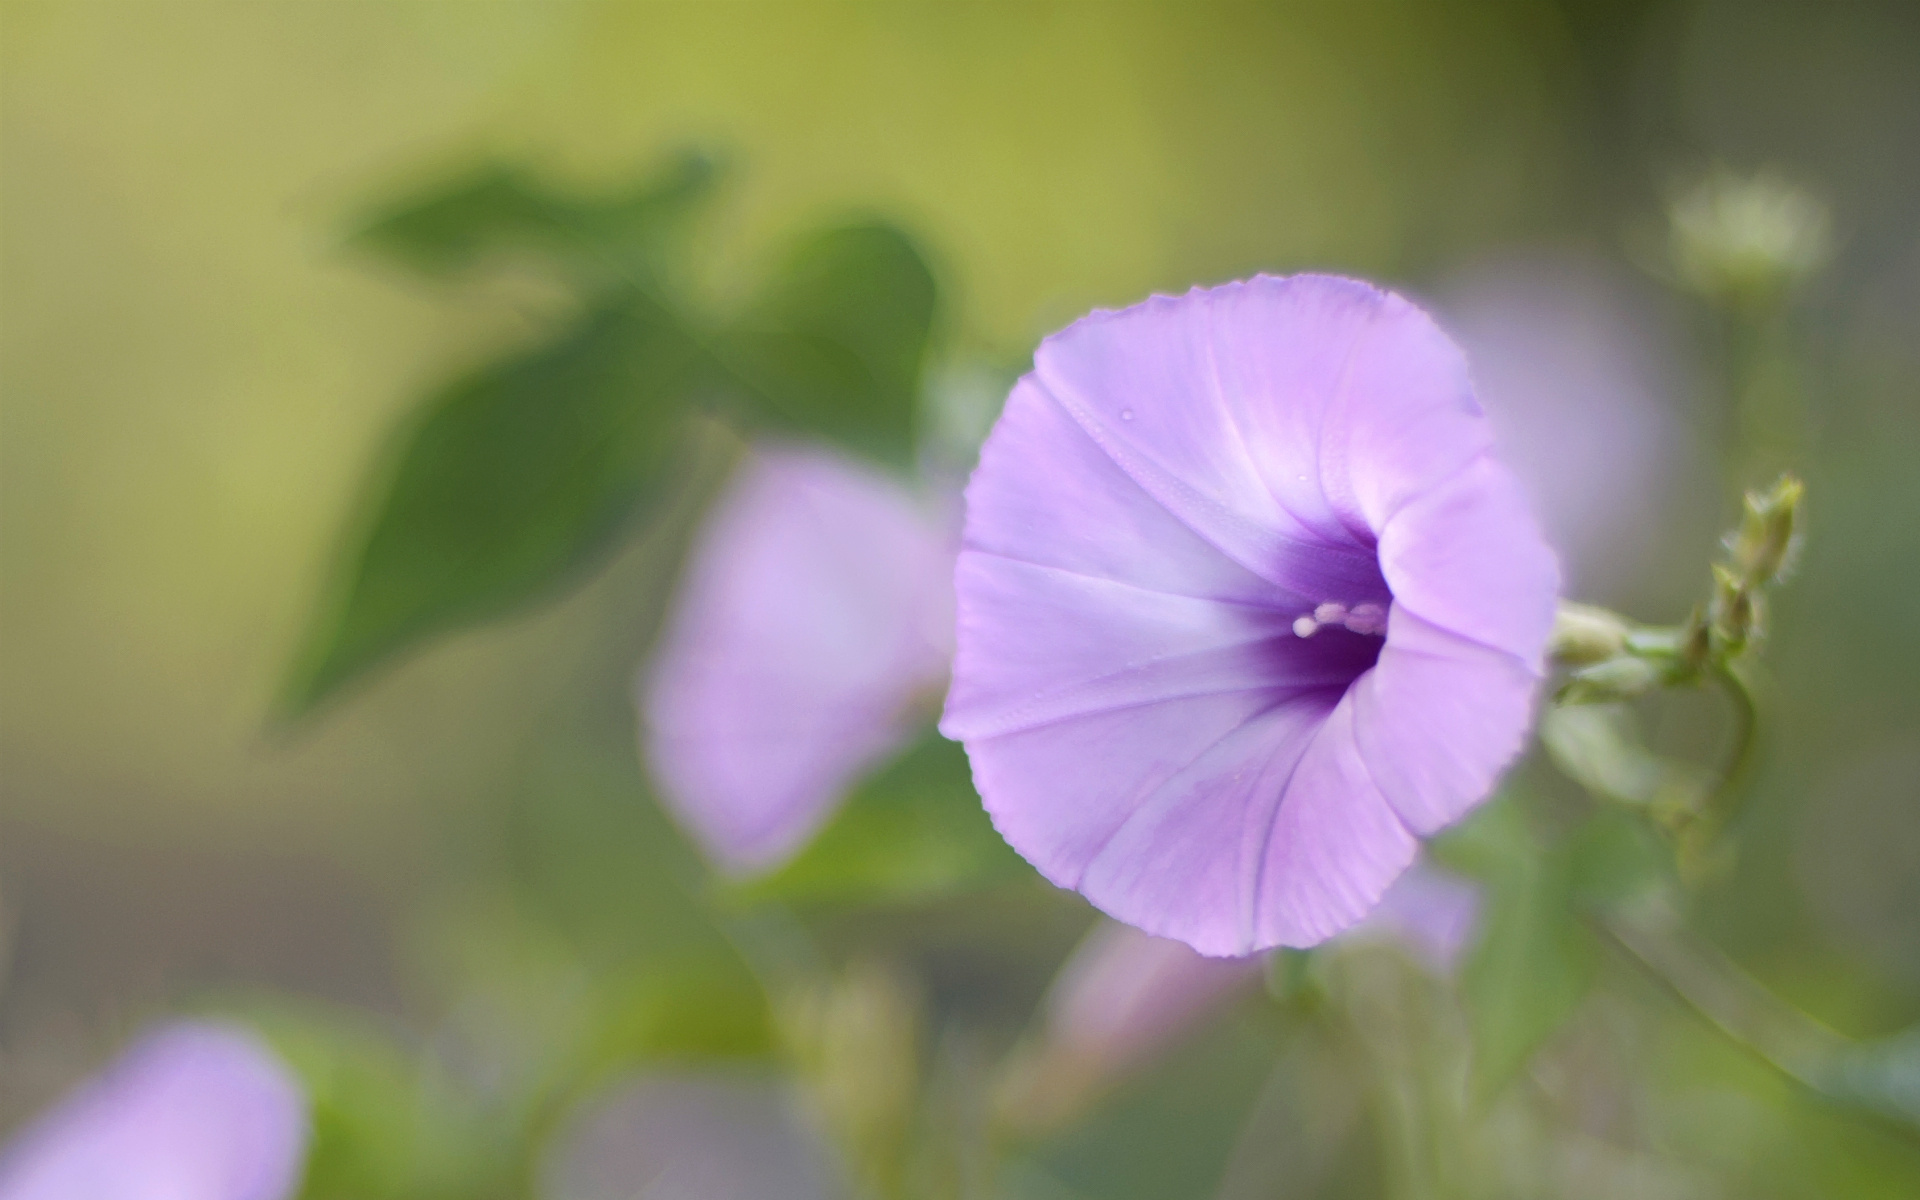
816 607
192 1112
1246 606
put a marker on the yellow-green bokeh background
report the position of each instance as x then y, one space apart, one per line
195 373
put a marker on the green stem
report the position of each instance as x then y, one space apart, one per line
1827 1064
1700 835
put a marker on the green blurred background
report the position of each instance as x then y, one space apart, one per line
195 373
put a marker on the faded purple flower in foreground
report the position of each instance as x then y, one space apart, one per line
694 1136
1433 913
1124 997
1121 1000
194 1111
816 608
1245 606
1579 383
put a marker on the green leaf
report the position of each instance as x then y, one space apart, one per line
1492 842
835 346
501 209
506 486
914 830
697 1009
1171 1131
1615 860
381 1128
1531 969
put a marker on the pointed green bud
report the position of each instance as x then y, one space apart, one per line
1764 547
1736 610
1696 642
1584 634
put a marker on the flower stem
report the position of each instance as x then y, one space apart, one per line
1699 836
1834 1067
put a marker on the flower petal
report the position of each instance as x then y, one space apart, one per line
1274 412
1143 386
1062 793
1055 531
1217 820
1468 556
1438 719
1335 845
194 1109
1051 663
816 606
1054 497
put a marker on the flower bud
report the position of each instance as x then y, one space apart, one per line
1696 642
1764 547
1742 237
1615 679
1736 610
1584 634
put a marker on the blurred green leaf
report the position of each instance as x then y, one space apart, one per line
1169 1133
1532 967
506 484
702 1008
382 1129
501 209
913 830
835 345
1616 859
1493 841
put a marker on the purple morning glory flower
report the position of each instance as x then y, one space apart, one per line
194 1111
816 609
1246 606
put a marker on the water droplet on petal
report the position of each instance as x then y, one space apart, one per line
1126 414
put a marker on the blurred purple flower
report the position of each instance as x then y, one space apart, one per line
1432 912
194 1111
1185 540
1579 383
816 608
1122 999
704 1136
1124 996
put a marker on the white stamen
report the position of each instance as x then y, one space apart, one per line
1367 618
